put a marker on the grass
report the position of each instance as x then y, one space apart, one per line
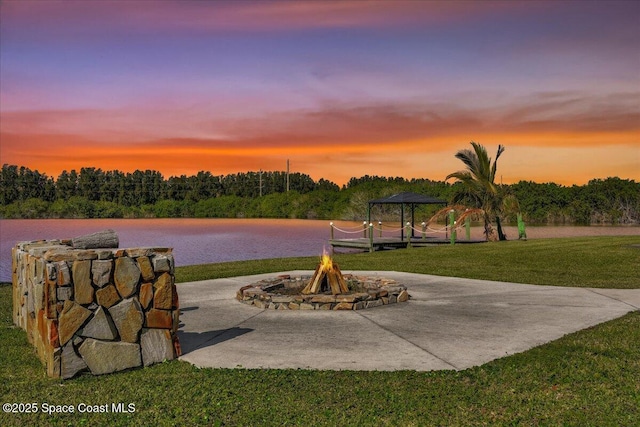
598 262
585 378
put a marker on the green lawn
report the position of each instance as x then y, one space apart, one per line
586 378
599 262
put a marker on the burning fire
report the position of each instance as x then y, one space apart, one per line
326 263
327 277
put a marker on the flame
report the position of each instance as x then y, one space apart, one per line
326 262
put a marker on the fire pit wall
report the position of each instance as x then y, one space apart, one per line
96 310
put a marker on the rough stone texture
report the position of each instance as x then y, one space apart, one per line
161 264
71 363
38 296
64 275
101 272
64 293
146 269
375 303
126 276
403 296
146 294
128 318
344 306
82 289
104 357
158 319
64 299
100 327
138 252
107 296
280 294
162 295
156 345
72 318
50 299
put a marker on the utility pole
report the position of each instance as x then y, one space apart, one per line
287 175
260 182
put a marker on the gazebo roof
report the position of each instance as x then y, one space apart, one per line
408 198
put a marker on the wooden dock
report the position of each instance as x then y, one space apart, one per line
381 243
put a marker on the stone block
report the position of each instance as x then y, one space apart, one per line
158 319
38 296
260 304
71 363
81 276
104 254
146 295
345 298
64 293
126 276
138 252
323 299
162 292
146 269
374 303
156 346
58 254
51 273
128 317
50 298
107 296
64 275
73 316
101 272
343 306
85 255
100 326
161 264
105 357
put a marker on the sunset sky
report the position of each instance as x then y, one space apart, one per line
341 88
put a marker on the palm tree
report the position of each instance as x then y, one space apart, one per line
478 187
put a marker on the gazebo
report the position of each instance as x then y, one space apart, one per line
402 199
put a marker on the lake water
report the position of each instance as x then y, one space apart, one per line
198 241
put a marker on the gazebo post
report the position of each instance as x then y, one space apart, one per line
413 218
402 222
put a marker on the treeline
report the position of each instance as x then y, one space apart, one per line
93 193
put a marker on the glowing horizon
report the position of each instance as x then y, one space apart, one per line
341 89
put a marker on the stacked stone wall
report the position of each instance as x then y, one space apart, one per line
95 310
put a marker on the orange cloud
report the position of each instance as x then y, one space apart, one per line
341 141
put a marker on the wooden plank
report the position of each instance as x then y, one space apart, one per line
312 282
342 284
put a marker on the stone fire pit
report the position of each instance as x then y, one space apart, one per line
285 293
